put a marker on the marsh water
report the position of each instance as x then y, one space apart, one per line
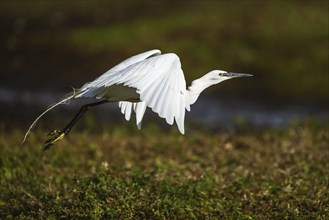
212 113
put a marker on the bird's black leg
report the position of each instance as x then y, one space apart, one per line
58 135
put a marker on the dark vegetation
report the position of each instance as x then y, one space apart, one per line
51 44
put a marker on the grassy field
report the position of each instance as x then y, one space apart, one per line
120 173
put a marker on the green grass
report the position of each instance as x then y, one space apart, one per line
154 174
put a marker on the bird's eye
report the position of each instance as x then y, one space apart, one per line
223 74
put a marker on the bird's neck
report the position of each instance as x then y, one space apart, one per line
195 89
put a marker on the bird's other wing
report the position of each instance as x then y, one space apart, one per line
90 88
138 107
161 84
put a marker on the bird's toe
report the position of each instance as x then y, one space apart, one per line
55 137
52 133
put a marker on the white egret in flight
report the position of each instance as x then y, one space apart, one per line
149 79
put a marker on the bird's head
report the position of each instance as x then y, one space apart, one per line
212 78
217 76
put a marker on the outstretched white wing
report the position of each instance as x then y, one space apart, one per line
158 79
114 70
161 84
92 89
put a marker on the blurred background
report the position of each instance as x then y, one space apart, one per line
48 46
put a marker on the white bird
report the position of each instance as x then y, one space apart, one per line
149 79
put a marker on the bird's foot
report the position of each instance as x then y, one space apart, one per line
55 136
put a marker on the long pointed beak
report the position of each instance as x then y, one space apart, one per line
229 74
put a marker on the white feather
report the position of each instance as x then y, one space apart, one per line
140 110
128 111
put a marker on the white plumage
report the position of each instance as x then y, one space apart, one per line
157 80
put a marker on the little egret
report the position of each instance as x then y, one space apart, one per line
149 79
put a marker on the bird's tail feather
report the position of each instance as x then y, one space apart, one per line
67 98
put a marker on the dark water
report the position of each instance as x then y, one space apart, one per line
212 113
